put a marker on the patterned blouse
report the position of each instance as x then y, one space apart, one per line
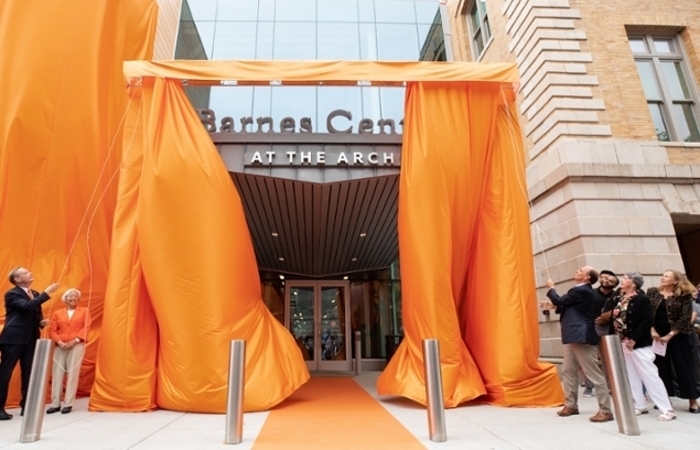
679 309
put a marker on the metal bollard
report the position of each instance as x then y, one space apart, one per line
36 393
358 353
236 379
619 384
433 390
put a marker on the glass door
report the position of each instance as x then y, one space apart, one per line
318 318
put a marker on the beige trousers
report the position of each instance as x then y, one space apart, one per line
66 361
586 357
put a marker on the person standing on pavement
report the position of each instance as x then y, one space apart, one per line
23 320
580 343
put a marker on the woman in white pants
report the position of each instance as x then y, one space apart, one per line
632 321
69 328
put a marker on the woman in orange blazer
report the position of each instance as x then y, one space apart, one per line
69 328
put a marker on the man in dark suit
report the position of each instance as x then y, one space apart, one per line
580 343
23 319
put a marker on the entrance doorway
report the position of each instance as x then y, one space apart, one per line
317 315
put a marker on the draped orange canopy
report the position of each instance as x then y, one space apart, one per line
167 242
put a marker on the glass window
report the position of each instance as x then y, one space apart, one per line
479 27
663 45
368 42
426 11
237 10
202 9
295 102
332 98
338 41
234 40
637 45
261 101
646 73
295 10
397 42
371 103
264 42
295 40
673 74
395 11
335 11
235 102
366 10
670 93
392 104
266 9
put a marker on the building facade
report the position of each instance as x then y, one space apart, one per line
610 110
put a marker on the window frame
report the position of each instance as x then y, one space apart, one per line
482 32
666 102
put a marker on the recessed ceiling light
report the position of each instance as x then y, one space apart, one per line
280 258
274 234
281 277
354 259
345 277
363 234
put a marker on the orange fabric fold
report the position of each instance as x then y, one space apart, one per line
466 263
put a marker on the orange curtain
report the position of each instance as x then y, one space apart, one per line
62 101
466 260
185 281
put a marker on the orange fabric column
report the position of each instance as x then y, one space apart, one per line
198 264
126 362
62 101
462 281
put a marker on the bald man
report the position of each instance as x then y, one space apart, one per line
577 310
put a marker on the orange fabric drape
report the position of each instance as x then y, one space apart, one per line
465 249
187 274
62 101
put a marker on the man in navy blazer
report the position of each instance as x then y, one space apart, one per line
580 343
23 319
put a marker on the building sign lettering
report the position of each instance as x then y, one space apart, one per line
333 157
337 121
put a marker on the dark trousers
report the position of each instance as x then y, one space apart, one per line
24 353
678 359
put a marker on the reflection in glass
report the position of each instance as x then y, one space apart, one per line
398 42
392 105
646 74
659 122
335 11
685 122
301 319
339 41
295 41
234 40
266 10
368 42
675 80
637 45
332 324
395 11
262 100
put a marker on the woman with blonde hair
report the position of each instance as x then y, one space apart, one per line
69 328
672 309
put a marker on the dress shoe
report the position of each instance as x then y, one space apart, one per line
53 409
602 417
566 412
66 410
4 415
